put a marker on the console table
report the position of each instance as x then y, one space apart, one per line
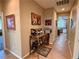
39 40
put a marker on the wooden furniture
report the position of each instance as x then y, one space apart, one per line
37 41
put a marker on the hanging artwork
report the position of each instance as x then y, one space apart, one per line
48 22
35 19
72 24
11 22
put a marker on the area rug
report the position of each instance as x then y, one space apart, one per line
44 51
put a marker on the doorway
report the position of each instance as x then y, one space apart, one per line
1 35
62 25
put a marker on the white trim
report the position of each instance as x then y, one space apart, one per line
14 53
3 30
69 49
26 55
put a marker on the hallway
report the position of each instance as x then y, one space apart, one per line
60 50
27 25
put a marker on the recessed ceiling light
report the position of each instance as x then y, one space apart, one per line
63 9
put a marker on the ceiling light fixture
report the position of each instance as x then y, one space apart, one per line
63 9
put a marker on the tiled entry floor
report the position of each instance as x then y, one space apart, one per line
6 55
59 50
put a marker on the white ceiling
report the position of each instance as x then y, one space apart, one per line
52 3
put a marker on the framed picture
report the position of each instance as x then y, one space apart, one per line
48 22
35 19
72 24
11 22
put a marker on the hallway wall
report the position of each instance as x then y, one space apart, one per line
76 42
26 7
50 14
54 25
72 31
13 37
1 9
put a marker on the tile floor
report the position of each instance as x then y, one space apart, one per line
6 55
59 50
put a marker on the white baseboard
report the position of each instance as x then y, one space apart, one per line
69 49
26 55
14 54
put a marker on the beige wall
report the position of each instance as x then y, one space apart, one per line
28 6
1 9
72 32
54 25
76 41
13 38
50 13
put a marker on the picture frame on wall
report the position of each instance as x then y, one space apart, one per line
48 22
35 19
72 23
10 20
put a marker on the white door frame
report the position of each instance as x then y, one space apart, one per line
3 29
